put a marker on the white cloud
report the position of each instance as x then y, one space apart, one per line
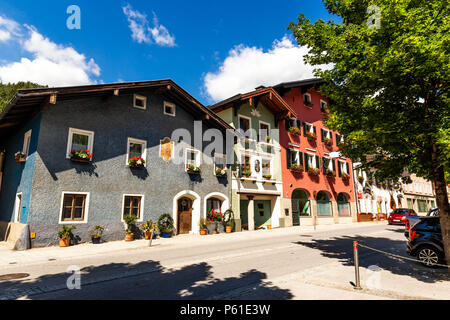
246 68
50 64
8 29
141 31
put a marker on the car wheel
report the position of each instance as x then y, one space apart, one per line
428 256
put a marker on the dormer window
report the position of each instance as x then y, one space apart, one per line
307 99
169 109
140 102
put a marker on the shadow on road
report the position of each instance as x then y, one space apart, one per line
148 280
341 248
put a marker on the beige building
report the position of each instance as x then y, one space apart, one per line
419 195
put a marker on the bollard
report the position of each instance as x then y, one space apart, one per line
151 238
355 257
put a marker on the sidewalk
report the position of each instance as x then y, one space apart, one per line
41 255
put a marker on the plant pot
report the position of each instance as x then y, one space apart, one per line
21 160
147 235
211 228
129 237
95 240
65 242
203 232
228 229
269 227
220 228
82 160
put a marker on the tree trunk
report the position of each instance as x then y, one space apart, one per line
440 186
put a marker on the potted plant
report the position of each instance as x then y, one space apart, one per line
65 234
267 176
81 155
228 226
215 219
130 220
136 162
20 156
296 167
203 224
247 173
191 169
96 234
221 172
313 171
148 227
268 139
294 131
165 225
328 142
345 176
311 135
330 173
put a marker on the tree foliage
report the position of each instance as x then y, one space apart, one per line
8 91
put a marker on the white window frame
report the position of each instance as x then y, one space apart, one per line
310 128
310 99
313 157
26 143
90 134
259 130
328 133
326 104
18 207
171 105
219 155
270 166
297 156
249 124
136 141
330 163
343 166
144 98
197 157
86 208
141 211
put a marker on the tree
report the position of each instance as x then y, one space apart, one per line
8 91
388 86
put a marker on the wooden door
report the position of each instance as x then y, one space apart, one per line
184 215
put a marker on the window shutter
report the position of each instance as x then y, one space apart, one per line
331 137
306 162
314 128
338 138
317 162
334 165
299 124
300 155
322 132
304 129
348 168
339 169
286 124
288 157
323 166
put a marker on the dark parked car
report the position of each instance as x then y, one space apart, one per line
434 212
398 216
425 240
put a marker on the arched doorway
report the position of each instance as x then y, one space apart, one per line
184 217
193 207
301 205
343 205
324 204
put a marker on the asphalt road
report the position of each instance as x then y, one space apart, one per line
220 270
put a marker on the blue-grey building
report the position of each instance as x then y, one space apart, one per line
77 143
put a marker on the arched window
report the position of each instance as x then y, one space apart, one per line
323 204
214 204
301 205
343 205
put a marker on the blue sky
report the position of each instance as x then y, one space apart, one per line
213 49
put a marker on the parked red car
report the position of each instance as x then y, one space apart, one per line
398 216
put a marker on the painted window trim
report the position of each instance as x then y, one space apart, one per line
17 210
343 165
144 98
90 134
263 159
326 104
259 129
314 160
141 211
26 143
330 163
249 124
330 134
311 127
310 99
86 208
198 160
137 141
172 105
297 152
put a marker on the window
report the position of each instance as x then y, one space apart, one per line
213 204
323 106
308 127
327 137
343 168
192 158
219 162
74 207
422 204
244 125
328 165
339 139
79 140
294 157
307 99
26 143
266 167
136 148
311 161
245 164
264 132
169 109
140 102
132 205
18 208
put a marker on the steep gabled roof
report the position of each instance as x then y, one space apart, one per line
29 102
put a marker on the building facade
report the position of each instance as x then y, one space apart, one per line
318 187
113 124
419 195
257 178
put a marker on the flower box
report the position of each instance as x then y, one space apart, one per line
20 157
294 131
191 169
330 173
136 162
313 171
84 156
311 136
328 142
247 173
296 168
221 173
267 177
345 176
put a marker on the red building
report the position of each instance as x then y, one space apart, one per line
317 188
